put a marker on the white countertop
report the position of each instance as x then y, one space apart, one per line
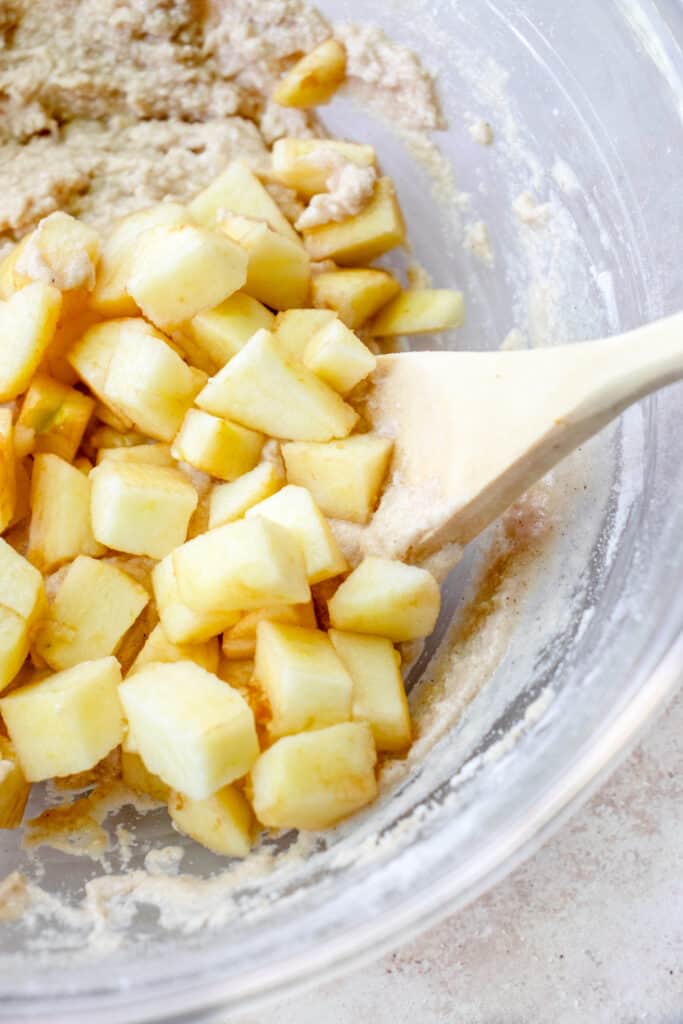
589 931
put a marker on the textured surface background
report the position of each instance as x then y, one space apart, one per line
589 931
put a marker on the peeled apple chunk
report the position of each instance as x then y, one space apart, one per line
265 390
137 778
243 565
191 729
237 190
294 329
314 779
387 598
158 647
306 164
354 295
315 78
181 624
217 446
27 325
279 269
22 606
339 357
66 723
223 823
231 501
210 338
420 311
58 415
14 789
60 524
359 239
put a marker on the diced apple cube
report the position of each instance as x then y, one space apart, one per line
217 446
359 239
420 311
8 481
60 524
137 778
265 390
294 509
27 324
355 295
14 645
140 509
345 477
21 586
306 164
239 642
243 565
278 271
312 780
158 648
379 697
223 823
339 357
387 598
191 729
62 251
146 454
66 723
94 606
237 190
110 296
306 684
14 789
295 327
216 335
315 78
181 624
232 501
91 355
58 415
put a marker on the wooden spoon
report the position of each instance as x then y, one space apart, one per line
473 430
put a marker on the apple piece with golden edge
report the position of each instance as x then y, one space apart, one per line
339 357
67 722
14 789
231 501
217 446
60 524
294 329
23 604
238 190
147 454
8 483
216 335
278 271
137 778
27 325
355 295
265 390
379 696
314 779
315 78
378 228
140 508
420 311
108 438
306 164
58 414
223 822
22 483
110 296
191 729
181 624
345 477
94 606
387 598
239 642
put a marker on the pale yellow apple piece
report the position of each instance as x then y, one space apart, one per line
147 454
10 280
278 271
181 624
60 522
106 438
339 357
217 446
294 328
239 642
223 822
313 780
354 294
216 335
315 78
387 598
27 325
21 587
106 415
243 565
140 508
14 789
91 355
191 729
379 696
57 414
265 390
345 477
420 311
306 684
110 296
306 164
137 778
22 491
14 645
71 326
231 501
67 722
295 509
8 477
238 190
159 648
94 606
378 228
61 251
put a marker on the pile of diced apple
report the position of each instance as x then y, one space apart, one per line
177 441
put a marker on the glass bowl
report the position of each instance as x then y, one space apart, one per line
578 654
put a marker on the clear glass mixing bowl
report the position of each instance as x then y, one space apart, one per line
586 102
